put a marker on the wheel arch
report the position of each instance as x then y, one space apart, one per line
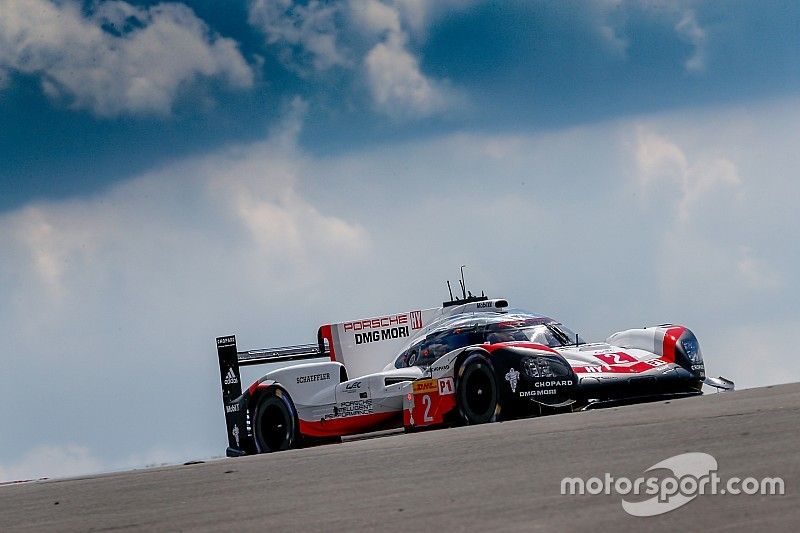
263 390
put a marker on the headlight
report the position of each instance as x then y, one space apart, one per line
544 367
692 350
536 367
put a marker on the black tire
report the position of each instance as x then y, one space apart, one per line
274 423
476 391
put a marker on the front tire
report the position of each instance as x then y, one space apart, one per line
274 423
476 391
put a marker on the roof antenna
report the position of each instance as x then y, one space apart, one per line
463 285
449 290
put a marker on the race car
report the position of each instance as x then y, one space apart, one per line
471 361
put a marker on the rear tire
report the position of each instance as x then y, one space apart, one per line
274 423
476 391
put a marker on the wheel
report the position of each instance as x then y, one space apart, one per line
274 423
476 391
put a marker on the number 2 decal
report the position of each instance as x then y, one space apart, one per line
616 358
426 417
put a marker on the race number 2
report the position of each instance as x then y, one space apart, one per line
426 401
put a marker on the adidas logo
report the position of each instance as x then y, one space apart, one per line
230 378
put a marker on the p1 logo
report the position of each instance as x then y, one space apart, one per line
446 386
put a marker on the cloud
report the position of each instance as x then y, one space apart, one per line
608 21
369 36
119 58
420 15
688 28
611 20
398 87
660 159
707 245
310 30
375 17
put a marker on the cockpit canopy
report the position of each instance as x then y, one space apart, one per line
461 331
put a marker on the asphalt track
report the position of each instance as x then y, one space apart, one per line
498 476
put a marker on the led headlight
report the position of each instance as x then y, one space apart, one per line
544 367
692 349
689 354
536 367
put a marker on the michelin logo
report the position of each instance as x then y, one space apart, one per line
513 377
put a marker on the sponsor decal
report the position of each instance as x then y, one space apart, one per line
225 341
353 387
542 392
656 362
593 369
446 386
698 367
440 368
416 319
354 408
230 378
425 386
233 408
235 433
376 323
482 305
558 383
512 377
314 377
616 358
381 335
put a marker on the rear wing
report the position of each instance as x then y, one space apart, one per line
230 360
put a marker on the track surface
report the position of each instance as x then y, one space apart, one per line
500 476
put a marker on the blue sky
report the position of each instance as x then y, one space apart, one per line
176 171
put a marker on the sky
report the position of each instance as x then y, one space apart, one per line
175 171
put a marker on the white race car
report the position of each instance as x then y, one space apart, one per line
470 361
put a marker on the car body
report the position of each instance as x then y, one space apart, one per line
470 361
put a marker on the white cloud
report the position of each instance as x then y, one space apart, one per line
375 17
608 18
420 15
660 159
398 87
688 28
707 244
310 28
378 41
119 59
611 19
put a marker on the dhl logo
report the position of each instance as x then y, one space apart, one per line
426 386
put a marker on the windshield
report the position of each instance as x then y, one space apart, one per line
550 334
